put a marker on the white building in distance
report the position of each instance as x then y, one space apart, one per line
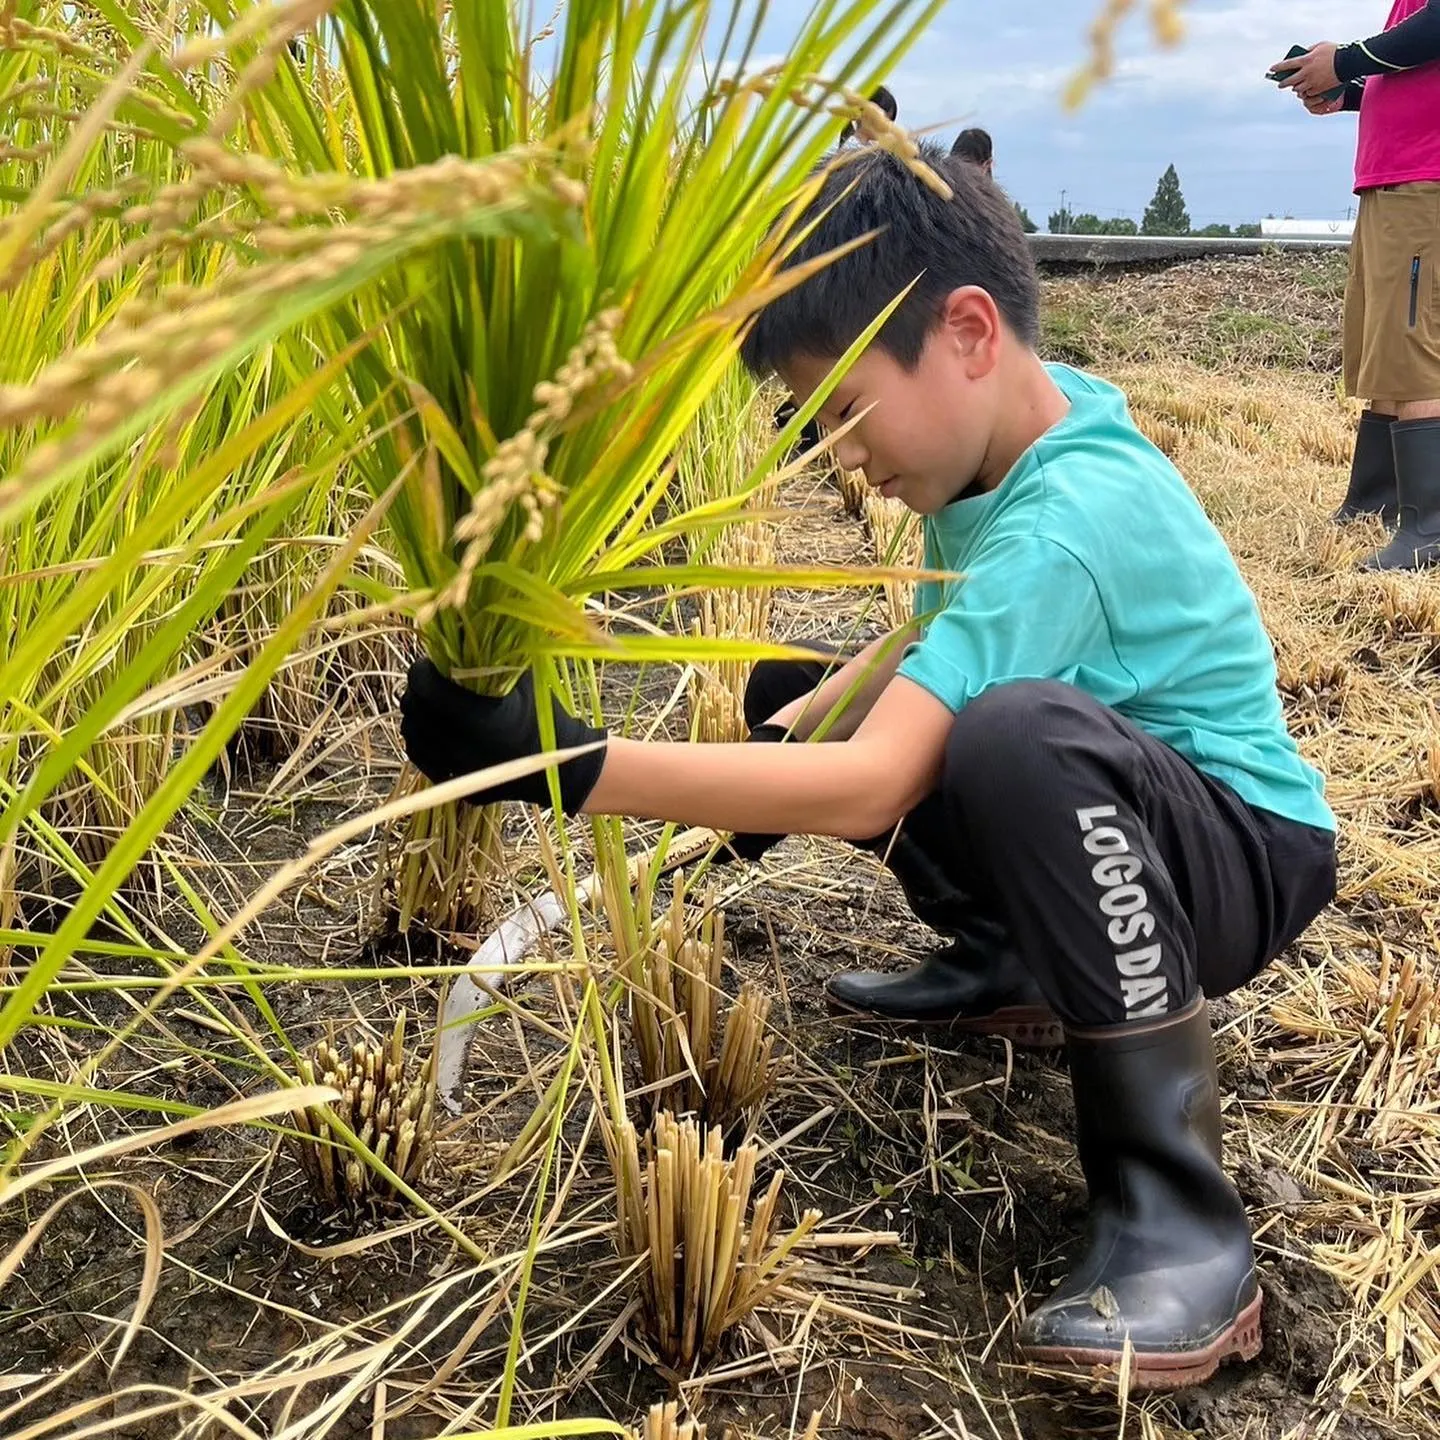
1307 229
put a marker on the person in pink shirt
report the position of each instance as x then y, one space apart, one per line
1392 301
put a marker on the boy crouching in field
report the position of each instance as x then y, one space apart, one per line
1077 765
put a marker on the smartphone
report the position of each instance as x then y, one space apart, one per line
1296 51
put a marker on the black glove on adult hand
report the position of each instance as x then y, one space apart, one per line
747 846
449 731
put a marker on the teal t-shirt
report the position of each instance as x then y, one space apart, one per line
1094 564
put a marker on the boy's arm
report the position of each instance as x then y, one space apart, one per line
852 790
867 674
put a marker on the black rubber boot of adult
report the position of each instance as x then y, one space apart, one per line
969 988
1169 1265
1416 544
1372 473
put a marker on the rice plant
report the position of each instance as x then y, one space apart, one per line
692 1060
385 1102
539 452
713 1256
489 283
1165 21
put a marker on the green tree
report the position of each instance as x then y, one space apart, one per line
1062 222
1093 225
1247 232
1216 232
1029 226
1166 213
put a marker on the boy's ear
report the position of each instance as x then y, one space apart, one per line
971 322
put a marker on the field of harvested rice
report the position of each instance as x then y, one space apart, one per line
941 1176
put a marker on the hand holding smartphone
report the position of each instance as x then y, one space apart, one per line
1298 52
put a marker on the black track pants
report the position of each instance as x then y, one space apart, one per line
1125 877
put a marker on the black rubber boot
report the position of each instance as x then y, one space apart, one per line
976 985
1416 544
1169 1264
967 988
1372 473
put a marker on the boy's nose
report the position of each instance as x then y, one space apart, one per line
850 454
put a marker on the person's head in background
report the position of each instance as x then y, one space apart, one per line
885 100
976 147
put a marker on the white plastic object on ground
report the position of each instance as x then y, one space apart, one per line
513 939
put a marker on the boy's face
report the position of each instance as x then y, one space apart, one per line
923 434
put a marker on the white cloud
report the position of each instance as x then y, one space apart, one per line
1242 149
1228 47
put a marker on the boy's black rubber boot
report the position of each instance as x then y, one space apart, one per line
969 988
1169 1265
975 986
1372 473
1416 544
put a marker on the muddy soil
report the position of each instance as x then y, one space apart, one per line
962 1150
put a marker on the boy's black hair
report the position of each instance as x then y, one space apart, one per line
974 238
974 145
880 96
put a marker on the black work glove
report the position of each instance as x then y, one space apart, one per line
449 731
748 846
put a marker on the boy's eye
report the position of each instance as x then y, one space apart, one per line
845 413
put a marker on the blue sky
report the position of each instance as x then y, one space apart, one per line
1242 149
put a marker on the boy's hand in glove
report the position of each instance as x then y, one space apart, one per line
752 847
449 731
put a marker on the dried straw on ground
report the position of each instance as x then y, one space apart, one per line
1346 1027
712 1258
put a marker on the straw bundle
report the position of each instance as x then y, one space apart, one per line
712 1260
664 1423
391 1113
691 1060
